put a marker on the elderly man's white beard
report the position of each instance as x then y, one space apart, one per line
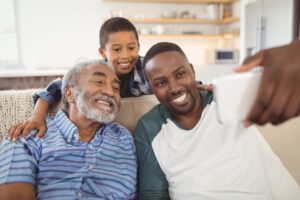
86 107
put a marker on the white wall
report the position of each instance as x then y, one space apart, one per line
56 33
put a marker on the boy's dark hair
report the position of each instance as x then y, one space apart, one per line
160 48
113 25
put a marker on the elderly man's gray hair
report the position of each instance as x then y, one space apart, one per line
70 79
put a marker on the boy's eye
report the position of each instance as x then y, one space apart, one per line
131 48
117 49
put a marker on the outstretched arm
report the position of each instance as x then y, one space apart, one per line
278 97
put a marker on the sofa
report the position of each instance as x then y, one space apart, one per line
17 105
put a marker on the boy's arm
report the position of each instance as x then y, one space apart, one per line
52 93
50 96
22 191
37 121
152 183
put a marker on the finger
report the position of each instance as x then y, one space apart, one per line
26 130
18 132
292 109
41 132
205 87
12 130
251 62
266 90
276 110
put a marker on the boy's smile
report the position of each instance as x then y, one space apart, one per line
121 50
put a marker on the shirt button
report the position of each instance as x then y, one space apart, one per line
91 146
69 140
74 135
91 166
79 194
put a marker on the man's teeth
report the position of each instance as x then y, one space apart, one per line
180 99
104 102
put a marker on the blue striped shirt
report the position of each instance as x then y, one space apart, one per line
61 167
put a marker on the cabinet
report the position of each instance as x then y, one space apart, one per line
222 27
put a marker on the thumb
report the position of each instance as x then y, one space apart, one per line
251 62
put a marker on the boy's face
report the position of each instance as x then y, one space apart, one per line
122 51
172 80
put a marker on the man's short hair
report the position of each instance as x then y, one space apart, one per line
160 48
113 25
70 79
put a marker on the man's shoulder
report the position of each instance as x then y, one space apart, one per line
152 121
118 130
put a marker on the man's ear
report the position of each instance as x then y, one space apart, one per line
69 94
102 52
192 68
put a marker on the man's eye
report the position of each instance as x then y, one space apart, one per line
160 83
117 49
116 89
99 82
180 74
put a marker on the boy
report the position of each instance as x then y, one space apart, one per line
185 153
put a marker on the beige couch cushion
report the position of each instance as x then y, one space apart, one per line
16 106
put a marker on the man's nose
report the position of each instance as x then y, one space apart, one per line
108 90
173 86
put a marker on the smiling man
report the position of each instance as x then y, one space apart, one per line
185 153
82 154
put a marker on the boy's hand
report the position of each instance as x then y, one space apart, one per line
25 127
208 88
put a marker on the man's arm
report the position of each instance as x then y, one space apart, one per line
152 183
20 191
18 168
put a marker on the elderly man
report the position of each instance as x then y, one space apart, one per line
185 153
82 155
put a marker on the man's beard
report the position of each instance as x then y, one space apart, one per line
85 106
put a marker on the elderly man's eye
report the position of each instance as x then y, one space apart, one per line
99 82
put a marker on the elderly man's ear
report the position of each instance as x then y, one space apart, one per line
69 94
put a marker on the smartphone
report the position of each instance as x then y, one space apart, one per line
235 94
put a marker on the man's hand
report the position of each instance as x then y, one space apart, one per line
278 97
208 88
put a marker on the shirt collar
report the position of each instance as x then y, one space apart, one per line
70 131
